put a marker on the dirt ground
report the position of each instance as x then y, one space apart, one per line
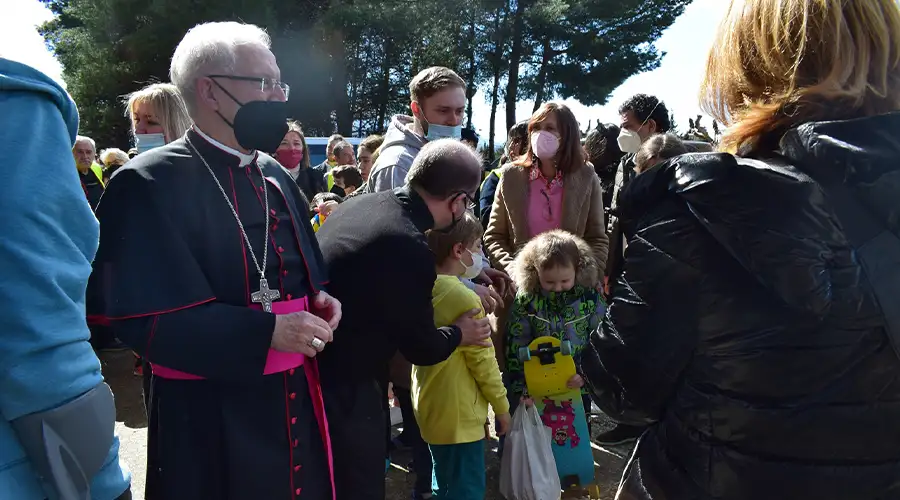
131 427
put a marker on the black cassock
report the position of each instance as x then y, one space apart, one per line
173 279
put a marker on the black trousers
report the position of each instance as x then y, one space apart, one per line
356 420
413 438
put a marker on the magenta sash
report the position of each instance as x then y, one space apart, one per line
276 361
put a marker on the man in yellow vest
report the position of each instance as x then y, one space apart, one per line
89 171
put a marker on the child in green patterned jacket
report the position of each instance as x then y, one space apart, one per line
559 295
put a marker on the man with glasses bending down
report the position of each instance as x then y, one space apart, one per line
208 268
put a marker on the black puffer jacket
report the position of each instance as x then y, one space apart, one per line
746 333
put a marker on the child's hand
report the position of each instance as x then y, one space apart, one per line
503 423
527 401
576 382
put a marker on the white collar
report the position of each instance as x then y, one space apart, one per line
246 159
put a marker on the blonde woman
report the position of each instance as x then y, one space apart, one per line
750 326
158 115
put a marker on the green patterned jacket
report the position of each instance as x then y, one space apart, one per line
570 315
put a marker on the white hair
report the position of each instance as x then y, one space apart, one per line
211 48
82 138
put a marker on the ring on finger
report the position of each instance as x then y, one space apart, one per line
317 343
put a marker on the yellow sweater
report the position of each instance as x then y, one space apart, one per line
451 398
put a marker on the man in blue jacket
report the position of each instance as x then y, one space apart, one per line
57 437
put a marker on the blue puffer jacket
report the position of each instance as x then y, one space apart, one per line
49 237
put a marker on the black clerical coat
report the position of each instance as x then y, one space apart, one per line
174 277
383 273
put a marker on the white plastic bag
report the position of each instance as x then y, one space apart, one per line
528 470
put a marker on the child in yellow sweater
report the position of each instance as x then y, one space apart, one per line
451 398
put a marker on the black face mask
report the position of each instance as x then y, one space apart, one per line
258 125
453 223
453 219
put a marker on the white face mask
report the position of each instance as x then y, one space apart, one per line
629 142
474 270
146 142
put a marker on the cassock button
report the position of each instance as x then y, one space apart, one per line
289 296
293 420
291 372
298 491
293 395
296 442
284 273
272 211
296 468
280 249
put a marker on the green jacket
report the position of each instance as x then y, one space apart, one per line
570 315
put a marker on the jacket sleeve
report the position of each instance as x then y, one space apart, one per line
637 355
518 334
482 365
420 342
486 197
212 340
595 230
497 237
387 179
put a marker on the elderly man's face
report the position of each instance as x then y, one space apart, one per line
84 154
246 83
346 157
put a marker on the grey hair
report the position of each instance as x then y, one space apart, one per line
660 146
341 146
84 138
445 167
211 48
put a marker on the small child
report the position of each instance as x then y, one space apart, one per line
322 205
657 149
558 296
451 398
347 179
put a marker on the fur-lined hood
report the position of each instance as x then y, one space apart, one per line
524 273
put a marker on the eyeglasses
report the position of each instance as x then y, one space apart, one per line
471 203
266 85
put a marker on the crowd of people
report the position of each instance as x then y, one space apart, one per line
729 310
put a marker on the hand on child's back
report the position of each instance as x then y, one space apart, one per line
474 331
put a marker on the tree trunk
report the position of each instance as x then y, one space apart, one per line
384 87
515 57
495 95
497 62
471 89
339 84
546 57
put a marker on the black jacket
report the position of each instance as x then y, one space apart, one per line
310 182
744 329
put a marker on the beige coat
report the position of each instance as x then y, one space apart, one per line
508 230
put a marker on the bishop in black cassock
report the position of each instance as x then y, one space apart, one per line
175 279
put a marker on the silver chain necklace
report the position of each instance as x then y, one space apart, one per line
264 296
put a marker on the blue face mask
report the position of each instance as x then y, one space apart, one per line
146 142
436 132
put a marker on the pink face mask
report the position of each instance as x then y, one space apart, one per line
289 158
544 144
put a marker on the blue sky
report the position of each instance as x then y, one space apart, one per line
677 80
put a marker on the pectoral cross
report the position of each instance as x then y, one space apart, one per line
265 296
